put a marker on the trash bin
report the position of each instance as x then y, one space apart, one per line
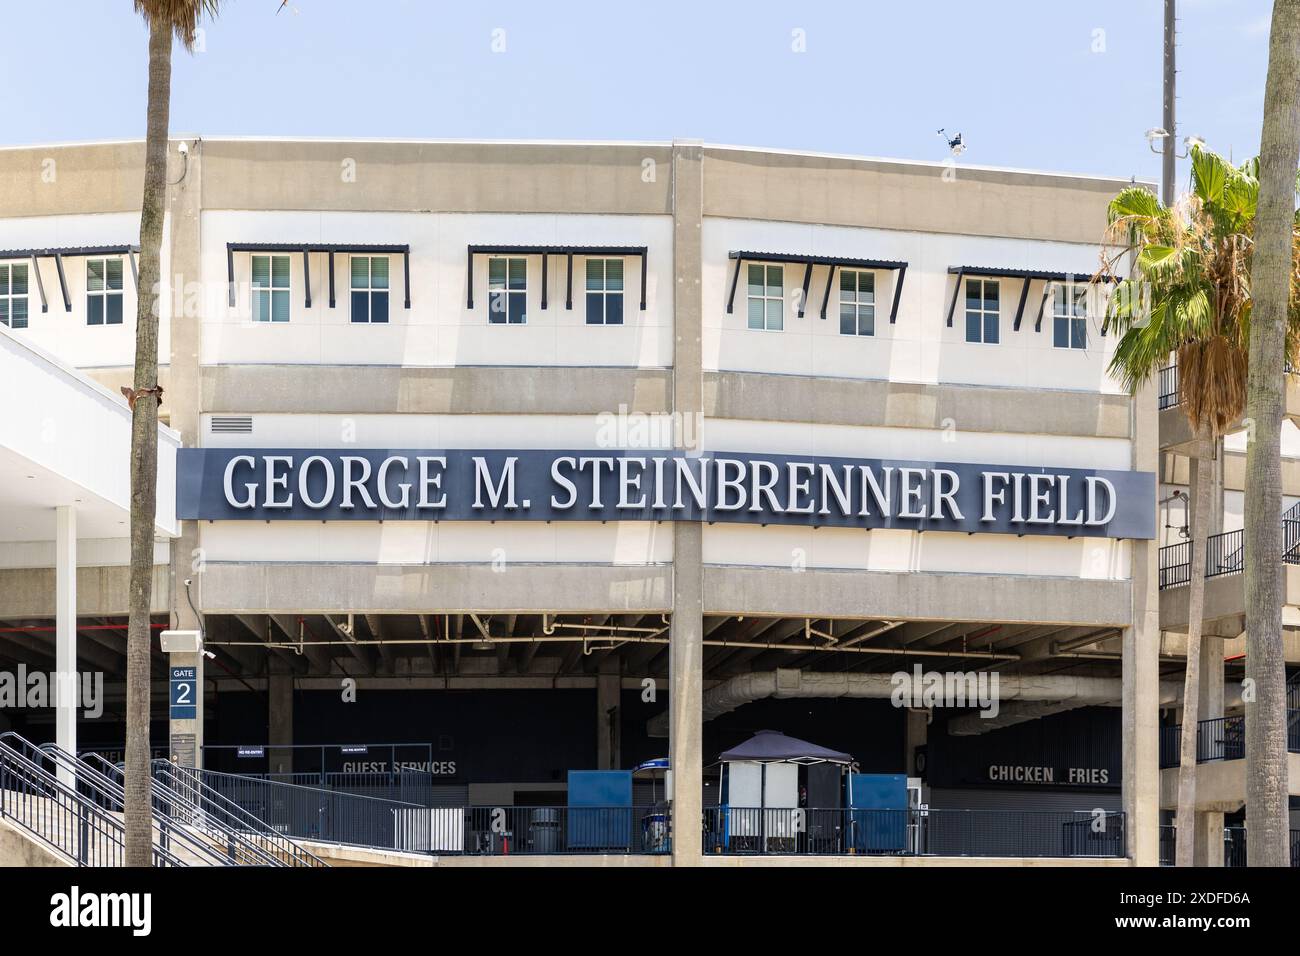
544 830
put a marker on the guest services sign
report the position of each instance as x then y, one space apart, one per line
224 484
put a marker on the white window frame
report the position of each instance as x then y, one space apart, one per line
9 297
1065 296
271 288
983 313
370 289
506 290
605 291
105 292
859 307
764 297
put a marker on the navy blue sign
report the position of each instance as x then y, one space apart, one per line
184 693
248 752
268 484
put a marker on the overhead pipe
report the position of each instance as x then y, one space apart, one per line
788 683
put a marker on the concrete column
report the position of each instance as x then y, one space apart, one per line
279 723
181 406
1141 664
609 687
915 734
65 633
1208 850
686 636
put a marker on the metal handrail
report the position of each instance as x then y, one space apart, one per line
176 777
111 796
1224 554
239 851
314 813
73 826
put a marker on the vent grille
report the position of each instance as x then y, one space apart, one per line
231 425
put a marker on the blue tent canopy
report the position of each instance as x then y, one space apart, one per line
769 746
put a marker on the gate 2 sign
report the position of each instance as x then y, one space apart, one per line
267 484
184 693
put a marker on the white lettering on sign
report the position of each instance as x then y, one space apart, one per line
665 486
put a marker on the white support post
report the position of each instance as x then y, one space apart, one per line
65 637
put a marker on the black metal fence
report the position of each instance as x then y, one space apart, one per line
1224 555
1175 565
309 813
1220 738
1167 387
1234 846
974 833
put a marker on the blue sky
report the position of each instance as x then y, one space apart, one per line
1060 85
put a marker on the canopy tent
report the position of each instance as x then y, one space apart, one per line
769 746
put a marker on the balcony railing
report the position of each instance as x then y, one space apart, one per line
1167 394
1220 738
968 833
1224 555
1234 846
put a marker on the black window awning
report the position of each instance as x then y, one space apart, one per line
546 252
58 254
306 248
1027 276
808 261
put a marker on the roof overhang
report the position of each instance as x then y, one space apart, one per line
546 252
329 249
808 261
58 254
1051 278
73 449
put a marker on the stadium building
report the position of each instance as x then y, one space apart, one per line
513 482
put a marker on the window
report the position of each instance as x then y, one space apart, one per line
13 294
1070 316
982 311
103 291
507 290
270 288
766 298
857 303
604 291
369 288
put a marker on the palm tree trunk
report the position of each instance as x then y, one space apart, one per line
1266 757
144 452
1185 821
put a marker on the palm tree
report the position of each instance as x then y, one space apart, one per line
1273 284
165 19
1190 295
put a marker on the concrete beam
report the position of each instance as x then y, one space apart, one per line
415 589
467 390
437 177
846 401
101 591
1225 602
885 595
883 194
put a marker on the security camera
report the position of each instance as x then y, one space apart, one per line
188 582
210 655
182 147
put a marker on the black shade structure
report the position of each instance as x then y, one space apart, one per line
306 248
769 746
1028 276
58 254
808 261
546 252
